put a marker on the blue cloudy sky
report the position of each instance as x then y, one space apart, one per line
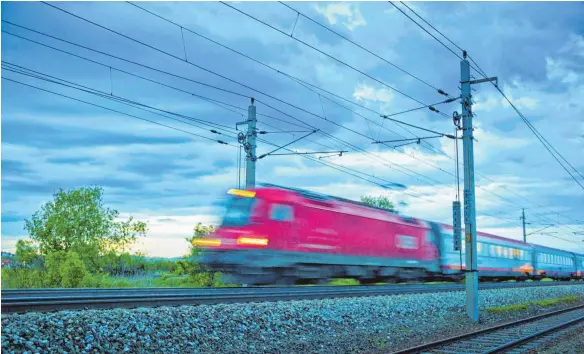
172 179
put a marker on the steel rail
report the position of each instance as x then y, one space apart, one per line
513 342
26 300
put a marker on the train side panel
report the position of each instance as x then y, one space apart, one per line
579 274
497 257
553 263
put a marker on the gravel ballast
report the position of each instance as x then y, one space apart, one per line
343 325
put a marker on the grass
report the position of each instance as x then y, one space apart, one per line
541 303
344 281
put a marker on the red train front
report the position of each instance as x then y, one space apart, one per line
276 235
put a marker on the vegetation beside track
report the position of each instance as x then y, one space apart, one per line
539 303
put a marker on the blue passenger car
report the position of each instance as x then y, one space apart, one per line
553 263
579 274
498 257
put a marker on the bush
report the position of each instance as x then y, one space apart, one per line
23 278
53 268
73 271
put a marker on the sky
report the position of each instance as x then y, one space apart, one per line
173 179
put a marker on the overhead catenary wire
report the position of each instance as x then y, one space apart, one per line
289 76
166 53
365 49
429 24
334 58
213 101
203 83
538 135
116 111
294 78
198 82
324 53
49 78
477 68
231 80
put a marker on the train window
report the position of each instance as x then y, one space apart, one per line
479 248
281 212
492 251
516 253
238 211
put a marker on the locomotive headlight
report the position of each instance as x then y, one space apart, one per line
207 242
254 241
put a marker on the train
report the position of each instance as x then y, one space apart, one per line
274 235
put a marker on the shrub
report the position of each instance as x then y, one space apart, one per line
73 271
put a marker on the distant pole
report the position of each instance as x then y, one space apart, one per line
523 218
470 227
250 171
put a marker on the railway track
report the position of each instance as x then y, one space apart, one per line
520 336
39 300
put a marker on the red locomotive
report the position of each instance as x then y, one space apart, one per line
277 235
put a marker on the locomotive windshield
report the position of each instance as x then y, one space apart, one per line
238 211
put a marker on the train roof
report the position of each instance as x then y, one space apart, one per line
325 197
550 249
491 236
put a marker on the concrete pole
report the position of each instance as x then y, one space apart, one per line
470 227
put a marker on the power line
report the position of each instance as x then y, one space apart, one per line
398 123
425 30
341 167
323 53
538 135
434 28
116 111
190 79
481 72
209 86
289 76
163 52
365 49
353 146
222 76
543 140
38 75
216 102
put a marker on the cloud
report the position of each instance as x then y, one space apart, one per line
349 12
485 103
557 70
364 92
150 171
520 102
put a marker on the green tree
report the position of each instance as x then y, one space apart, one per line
77 220
26 251
198 272
199 231
53 263
72 271
379 202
